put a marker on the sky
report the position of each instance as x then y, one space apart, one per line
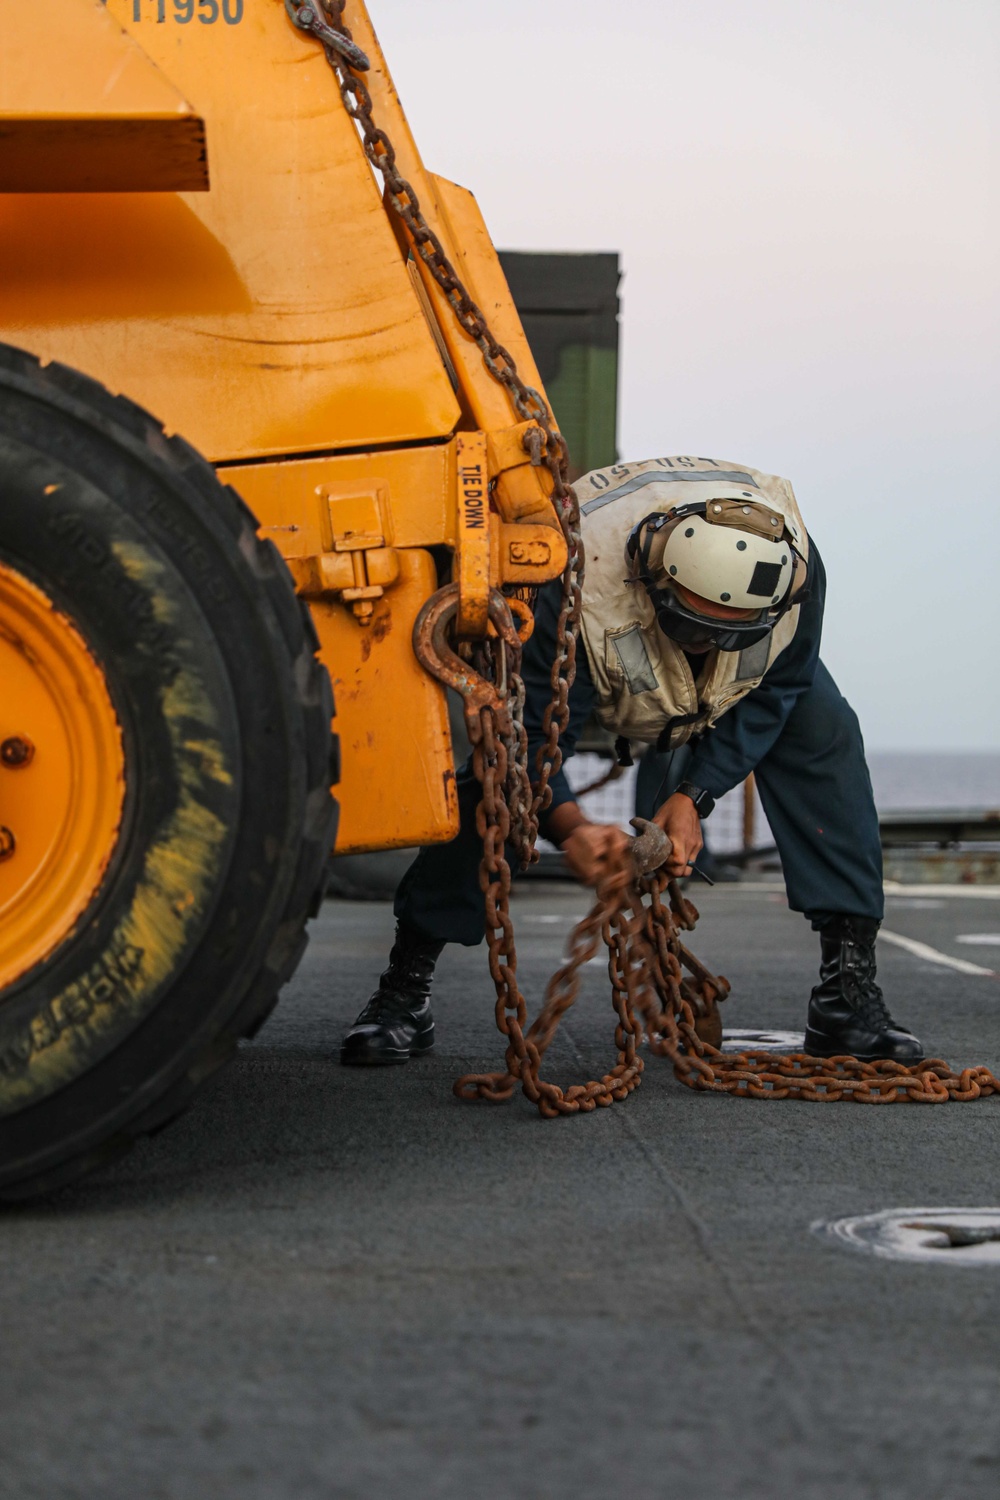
805 196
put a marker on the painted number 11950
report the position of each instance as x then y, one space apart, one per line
184 11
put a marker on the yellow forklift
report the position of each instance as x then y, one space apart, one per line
265 400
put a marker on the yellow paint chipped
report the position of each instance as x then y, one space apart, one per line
183 864
213 766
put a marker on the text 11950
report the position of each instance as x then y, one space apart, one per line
184 11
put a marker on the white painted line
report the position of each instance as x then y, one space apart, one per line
739 887
892 888
980 939
933 956
977 892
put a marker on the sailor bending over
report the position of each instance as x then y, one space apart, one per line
700 634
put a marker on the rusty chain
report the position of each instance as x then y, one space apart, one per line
656 1003
652 998
545 445
645 959
510 805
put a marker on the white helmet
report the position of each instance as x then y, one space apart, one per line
738 553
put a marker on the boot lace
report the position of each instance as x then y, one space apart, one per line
379 1009
868 998
387 1004
395 1000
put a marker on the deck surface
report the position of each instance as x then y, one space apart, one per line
325 1284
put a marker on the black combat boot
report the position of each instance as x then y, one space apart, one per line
397 1023
847 1013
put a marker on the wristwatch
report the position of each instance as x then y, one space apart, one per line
703 801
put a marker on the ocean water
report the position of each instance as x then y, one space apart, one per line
902 781
908 780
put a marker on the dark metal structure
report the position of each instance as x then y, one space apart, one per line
569 306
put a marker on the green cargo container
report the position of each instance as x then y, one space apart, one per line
569 307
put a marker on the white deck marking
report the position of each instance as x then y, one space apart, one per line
892 888
977 892
933 956
742 1040
950 1236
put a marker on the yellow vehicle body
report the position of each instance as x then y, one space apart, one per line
187 216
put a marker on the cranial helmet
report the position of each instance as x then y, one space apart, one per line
737 553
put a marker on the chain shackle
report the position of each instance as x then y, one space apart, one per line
305 17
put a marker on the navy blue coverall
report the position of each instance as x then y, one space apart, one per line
795 731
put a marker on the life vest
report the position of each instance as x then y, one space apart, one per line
645 688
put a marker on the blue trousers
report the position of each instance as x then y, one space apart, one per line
817 795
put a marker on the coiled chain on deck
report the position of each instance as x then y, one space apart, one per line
652 997
656 1002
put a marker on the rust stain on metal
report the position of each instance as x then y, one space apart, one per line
16 752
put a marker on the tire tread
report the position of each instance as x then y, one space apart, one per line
95 403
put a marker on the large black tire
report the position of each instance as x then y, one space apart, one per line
225 714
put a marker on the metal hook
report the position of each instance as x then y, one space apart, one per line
432 650
651 847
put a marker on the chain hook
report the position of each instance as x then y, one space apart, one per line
436 655
650 848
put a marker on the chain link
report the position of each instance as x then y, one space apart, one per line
652 998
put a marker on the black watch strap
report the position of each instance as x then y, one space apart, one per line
703 801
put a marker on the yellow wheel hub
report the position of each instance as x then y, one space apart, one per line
62 776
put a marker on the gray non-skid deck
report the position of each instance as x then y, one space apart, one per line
324 1283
